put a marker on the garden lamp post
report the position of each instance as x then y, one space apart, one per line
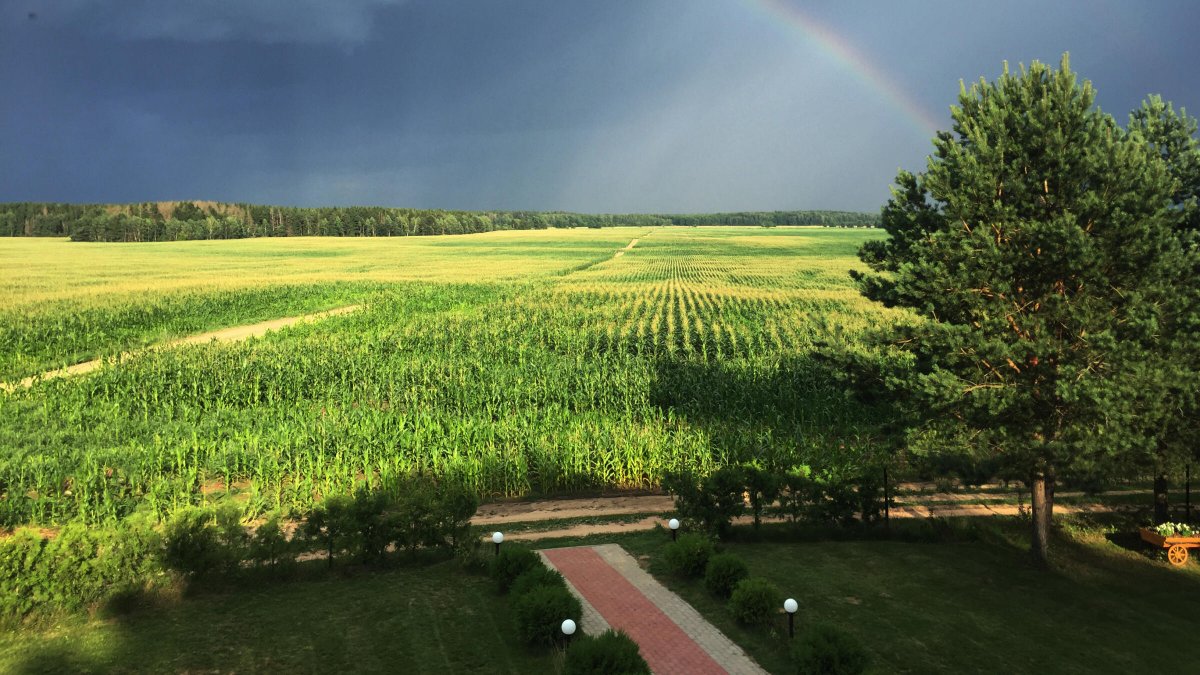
790 606
674 525
497 539
568 629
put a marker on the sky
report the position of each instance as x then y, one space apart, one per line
612 106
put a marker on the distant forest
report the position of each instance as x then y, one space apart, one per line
178 221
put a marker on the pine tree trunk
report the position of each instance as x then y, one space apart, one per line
1161 507
1042 494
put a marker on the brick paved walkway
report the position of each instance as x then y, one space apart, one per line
617 592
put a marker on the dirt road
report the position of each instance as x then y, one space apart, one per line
499 514
231 334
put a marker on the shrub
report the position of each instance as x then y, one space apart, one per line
610 653
796 489
472 557
536 577
541 611
414 519
688 556
330 526
754 601
511 562
835 498
723 572
192 545
270 548
824 650
21 587
763 485
870 496
369 528
455 507
80 566
232 539
711 503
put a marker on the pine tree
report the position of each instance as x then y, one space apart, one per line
1171 412
1037 248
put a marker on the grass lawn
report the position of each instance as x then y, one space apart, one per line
971 606
969 602
435 619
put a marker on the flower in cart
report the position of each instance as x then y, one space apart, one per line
1175 530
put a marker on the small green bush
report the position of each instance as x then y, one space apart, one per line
688 556
455 507
192 544
472 557
610 653
763 485
536 577
540 612
78 567
330 527
512 561
369 526
723 572
712 502
824 650
270 548
21 585
754 601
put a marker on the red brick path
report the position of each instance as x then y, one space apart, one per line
664 645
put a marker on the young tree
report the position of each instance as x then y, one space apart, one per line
1171 135
1170 413
1038 249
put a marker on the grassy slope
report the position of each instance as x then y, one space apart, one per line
427 620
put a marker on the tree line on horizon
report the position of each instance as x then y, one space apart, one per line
188 220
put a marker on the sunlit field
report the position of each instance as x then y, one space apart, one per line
514 363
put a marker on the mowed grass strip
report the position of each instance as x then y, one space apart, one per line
970 606
421 620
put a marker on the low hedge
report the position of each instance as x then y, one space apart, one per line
723 572
540 611
610 653
512 562
822 649
754 601
688 556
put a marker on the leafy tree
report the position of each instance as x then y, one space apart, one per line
1038 248
331 525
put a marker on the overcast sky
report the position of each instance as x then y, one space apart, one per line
596 106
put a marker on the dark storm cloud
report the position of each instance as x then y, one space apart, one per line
626 105
267 21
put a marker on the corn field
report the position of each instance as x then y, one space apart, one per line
588 371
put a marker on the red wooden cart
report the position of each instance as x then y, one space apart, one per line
1177 547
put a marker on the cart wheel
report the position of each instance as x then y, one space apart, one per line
1177 554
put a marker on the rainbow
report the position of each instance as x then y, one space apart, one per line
790 17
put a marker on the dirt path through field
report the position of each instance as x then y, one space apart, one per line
231 334
622 251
